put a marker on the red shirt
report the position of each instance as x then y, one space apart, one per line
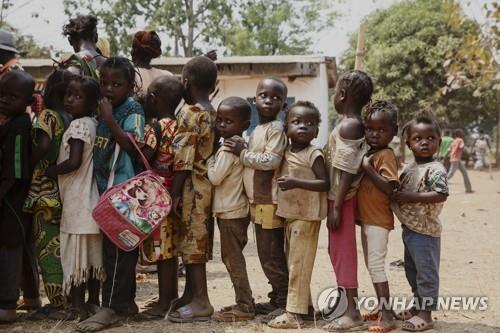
457 148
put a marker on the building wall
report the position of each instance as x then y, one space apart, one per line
313 89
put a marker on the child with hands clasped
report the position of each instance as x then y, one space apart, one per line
262 160
230 206
377 185
302 202
16 89
417 204
119 115
81 240
345 150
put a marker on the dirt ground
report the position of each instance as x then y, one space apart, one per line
469 266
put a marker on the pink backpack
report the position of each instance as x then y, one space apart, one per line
130 212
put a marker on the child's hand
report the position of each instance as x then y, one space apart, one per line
286 183
333 218
3 119
105 109
402 197
176 207
235 146
51 172
367 162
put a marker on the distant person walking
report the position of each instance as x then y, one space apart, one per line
444 149
456 150
481 146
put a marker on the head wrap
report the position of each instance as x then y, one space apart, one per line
147 43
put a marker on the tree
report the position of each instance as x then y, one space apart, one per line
190 25
26 44
270 27
408 50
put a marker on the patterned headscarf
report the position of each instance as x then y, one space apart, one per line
147 43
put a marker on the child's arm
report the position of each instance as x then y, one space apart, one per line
72 163
351 129
42 147
118 134
382 183
219 167
423 197
320 184
269 159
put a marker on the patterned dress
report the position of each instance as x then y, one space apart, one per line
44 203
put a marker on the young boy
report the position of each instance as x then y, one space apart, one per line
302 202
456 150
262 160
230 206
163 96
193 145
16 89
345 151
418 203
379 181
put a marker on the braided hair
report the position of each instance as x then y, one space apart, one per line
81 27
421 117
125 65
358 84
384 107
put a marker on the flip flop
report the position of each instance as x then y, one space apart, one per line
22 306
417 324
267 318
345 324
381 327
185 314
264 308
404 315
152 302
371 316
286 321
98 324
150 314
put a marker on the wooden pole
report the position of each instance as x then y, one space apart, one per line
360 49
497 148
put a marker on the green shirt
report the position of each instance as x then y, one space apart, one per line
445 145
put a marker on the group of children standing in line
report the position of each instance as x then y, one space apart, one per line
278 180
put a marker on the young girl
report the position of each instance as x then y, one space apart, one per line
81 241
418 203
346 148
379 181
302 202
43 198
119 115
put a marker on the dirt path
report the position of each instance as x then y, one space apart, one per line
469 266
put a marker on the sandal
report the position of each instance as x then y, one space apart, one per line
270 316
185 314
371 316
404 315
44 312
233 314
152 302
150 314
287 321
417 324
105 318
264 308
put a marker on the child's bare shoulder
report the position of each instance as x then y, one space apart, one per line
351 129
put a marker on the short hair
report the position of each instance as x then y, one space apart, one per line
239 104
277 80
358 84
27 83
55 88
123 64
304 104
201 72
385 107
91 88
170 87
82 26
459 132
421 117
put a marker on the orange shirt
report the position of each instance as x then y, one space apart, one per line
374 206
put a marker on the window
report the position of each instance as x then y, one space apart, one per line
254 120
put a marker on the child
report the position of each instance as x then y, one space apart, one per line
119 115
81 240
16 88
43 198
302 202
346 148
163 96
418 203
456 150
230 206
193 145
379 181
262 159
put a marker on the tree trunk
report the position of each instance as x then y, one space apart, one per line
360 49
497 152
191 23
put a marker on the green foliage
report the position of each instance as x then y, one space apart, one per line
242 27
410 49
26 44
